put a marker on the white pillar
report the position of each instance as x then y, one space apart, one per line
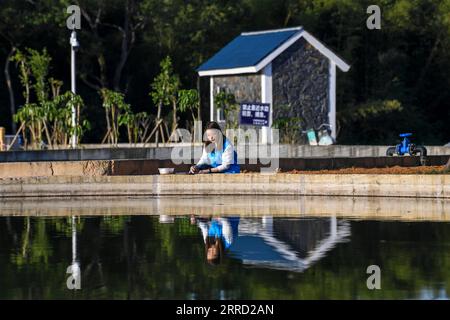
267 222
211 90
266 97
332 98
220 113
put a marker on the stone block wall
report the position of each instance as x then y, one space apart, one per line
300 85
245 87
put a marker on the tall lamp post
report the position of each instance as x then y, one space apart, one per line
74 45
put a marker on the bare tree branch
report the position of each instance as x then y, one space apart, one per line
91 85
12 104
114 26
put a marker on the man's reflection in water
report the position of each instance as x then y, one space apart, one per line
218 235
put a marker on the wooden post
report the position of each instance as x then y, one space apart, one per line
2 139
15 137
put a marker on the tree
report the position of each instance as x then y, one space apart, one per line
96 14
33 66
189 100
24 73
290 127
39 64
14 31
407 60
60 116
227 103
12 102
137 125
115 106
164 91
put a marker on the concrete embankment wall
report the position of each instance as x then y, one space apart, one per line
405 209
150 167
165 153
418 186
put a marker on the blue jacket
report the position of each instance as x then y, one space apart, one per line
215 159
216 230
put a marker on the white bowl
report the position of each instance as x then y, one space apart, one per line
166 219
166 170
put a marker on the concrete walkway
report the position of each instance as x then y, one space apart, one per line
357 185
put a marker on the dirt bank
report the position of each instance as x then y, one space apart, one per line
390 170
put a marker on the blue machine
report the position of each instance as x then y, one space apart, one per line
406 147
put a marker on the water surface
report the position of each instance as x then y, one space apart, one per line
164 257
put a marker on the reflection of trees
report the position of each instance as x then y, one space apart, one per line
137 257
34 247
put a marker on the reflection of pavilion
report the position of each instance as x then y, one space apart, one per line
287 244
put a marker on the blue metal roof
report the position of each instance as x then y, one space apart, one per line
248 49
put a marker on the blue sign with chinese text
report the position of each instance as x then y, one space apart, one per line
255 114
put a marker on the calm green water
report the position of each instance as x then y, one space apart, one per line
152 257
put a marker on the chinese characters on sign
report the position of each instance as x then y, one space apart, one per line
254 113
